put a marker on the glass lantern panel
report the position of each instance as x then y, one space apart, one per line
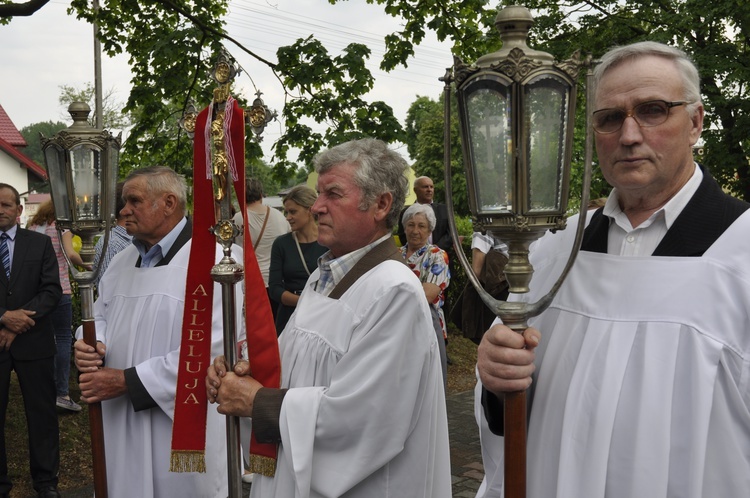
488 110
54 158
546 101
113 165
86 169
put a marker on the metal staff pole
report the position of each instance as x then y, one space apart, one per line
227 272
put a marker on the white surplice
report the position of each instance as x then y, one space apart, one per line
365 414
139 318
643 375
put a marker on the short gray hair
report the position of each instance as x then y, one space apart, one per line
378 170
163 180
685 66
423 209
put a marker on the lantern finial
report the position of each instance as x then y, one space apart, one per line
513 23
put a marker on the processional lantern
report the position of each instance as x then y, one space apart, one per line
82 164
516 113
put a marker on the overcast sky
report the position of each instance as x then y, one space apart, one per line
49 49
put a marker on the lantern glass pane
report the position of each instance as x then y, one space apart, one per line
489 123
86 170
113 167
54 158
546 101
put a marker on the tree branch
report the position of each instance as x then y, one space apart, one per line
214 31
21 9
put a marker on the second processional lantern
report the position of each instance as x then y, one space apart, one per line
516 112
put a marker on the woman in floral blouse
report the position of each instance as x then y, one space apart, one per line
430 264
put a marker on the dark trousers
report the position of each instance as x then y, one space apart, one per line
61 318
37 381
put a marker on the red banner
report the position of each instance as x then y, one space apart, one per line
189 430
189 427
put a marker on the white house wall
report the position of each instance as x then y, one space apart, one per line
12 173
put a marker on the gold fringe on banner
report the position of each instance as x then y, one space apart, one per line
187 461
263 465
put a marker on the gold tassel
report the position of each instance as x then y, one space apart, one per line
263 465
187 461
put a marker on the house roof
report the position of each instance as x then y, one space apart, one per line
22 158
9 132
10 138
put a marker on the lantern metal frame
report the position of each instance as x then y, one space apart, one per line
60 156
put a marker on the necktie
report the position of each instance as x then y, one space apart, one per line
5 254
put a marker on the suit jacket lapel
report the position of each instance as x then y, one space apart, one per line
20 250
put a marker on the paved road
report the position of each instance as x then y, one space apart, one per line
466 458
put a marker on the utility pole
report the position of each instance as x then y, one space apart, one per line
99 112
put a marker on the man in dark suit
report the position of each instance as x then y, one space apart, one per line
441 236
29 291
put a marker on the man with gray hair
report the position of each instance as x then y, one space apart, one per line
134 368
441 233
639 371
361 411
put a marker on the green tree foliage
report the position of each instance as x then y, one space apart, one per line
170 61
335 86
31 134
263 172
112 118
715 34
424 141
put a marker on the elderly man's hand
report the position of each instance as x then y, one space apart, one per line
233 391
102 384
505 359
87 358
216 371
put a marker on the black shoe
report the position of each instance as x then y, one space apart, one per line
49 492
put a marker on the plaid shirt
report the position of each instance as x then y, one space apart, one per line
332 270
118 240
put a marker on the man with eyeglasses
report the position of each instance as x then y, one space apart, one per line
639 371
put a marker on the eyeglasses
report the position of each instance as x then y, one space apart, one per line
646 114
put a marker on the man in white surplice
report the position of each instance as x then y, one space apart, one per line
361 412
640 368
139 322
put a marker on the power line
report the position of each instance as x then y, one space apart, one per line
288 26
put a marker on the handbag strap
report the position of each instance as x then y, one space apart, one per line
263 228
299 250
